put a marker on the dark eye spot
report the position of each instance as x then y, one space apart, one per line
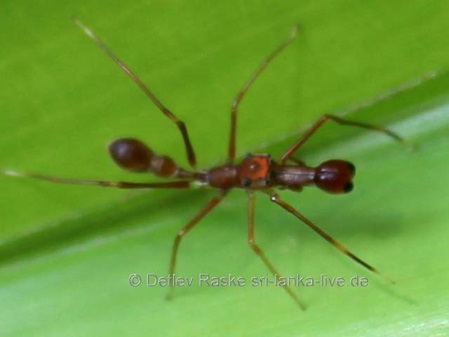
246 182
348 187
351 167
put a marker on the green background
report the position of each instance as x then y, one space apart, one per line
66 252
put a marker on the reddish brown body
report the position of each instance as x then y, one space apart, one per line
254 173
259 172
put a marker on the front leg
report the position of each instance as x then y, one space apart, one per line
319 123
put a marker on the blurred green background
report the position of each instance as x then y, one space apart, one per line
66 252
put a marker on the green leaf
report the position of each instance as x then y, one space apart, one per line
67 252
